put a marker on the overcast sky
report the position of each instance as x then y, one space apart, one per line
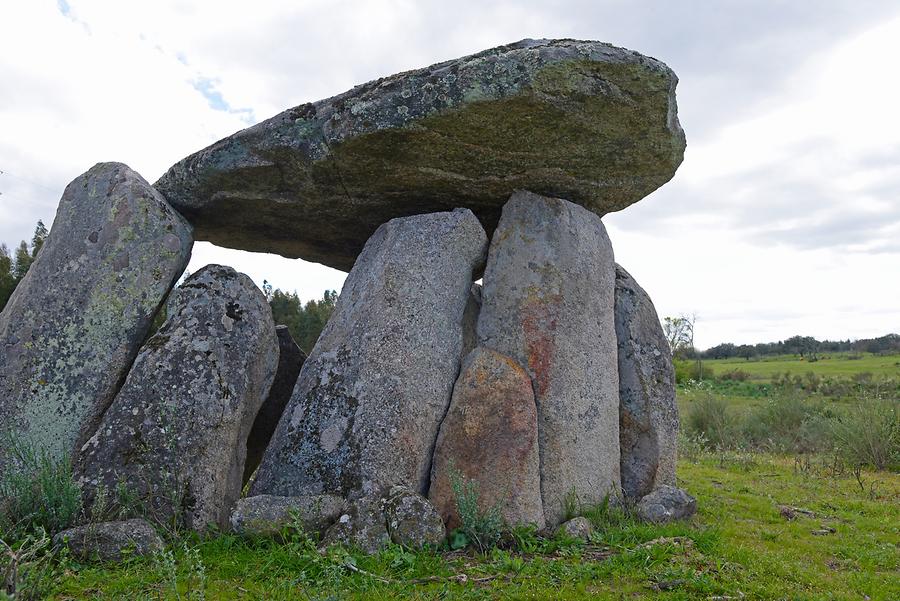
783 219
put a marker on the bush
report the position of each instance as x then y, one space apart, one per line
711 419
481 528
29 567
37 493
869 434
786 424
736 375
686 371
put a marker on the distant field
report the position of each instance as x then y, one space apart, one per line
834 364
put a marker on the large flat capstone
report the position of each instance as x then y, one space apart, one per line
73 326
580 120
367 406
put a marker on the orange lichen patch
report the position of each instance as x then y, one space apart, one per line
539 324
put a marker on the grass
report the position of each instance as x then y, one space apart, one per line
830 364
769 526
738 546
36 493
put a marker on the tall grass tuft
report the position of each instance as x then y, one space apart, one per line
481 528
37 493
786 424
711 418
869 433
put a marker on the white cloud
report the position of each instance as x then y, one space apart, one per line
795 212
783 219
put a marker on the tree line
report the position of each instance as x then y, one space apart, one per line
804 346
679 333
14 266
305 321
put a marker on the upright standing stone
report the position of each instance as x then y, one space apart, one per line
367 406
74 324
290 360
548 303
176 434
648 415
490 438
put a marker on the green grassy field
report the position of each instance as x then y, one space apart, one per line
834 364
837 540
803 526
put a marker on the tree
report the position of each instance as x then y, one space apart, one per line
745 350
805 346
679 333
7 278
13 269
37 240
23 261
305 322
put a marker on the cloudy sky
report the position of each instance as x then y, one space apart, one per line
784 218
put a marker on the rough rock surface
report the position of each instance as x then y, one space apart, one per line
367 406
110 541
548 303
411 520
665 504
266 515
176 433
579 528
648 415
75 323
581 120
470 320
490 438
363 526
290 360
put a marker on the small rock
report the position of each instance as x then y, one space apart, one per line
268 515
411 520
824 531
578 528
111 541
666 504
363 526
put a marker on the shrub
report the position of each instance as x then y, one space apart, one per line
29 567
37 493
785 424
711 419
736 375
691 447
481 528
686 371
869 433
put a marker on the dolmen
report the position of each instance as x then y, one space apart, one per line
545 389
